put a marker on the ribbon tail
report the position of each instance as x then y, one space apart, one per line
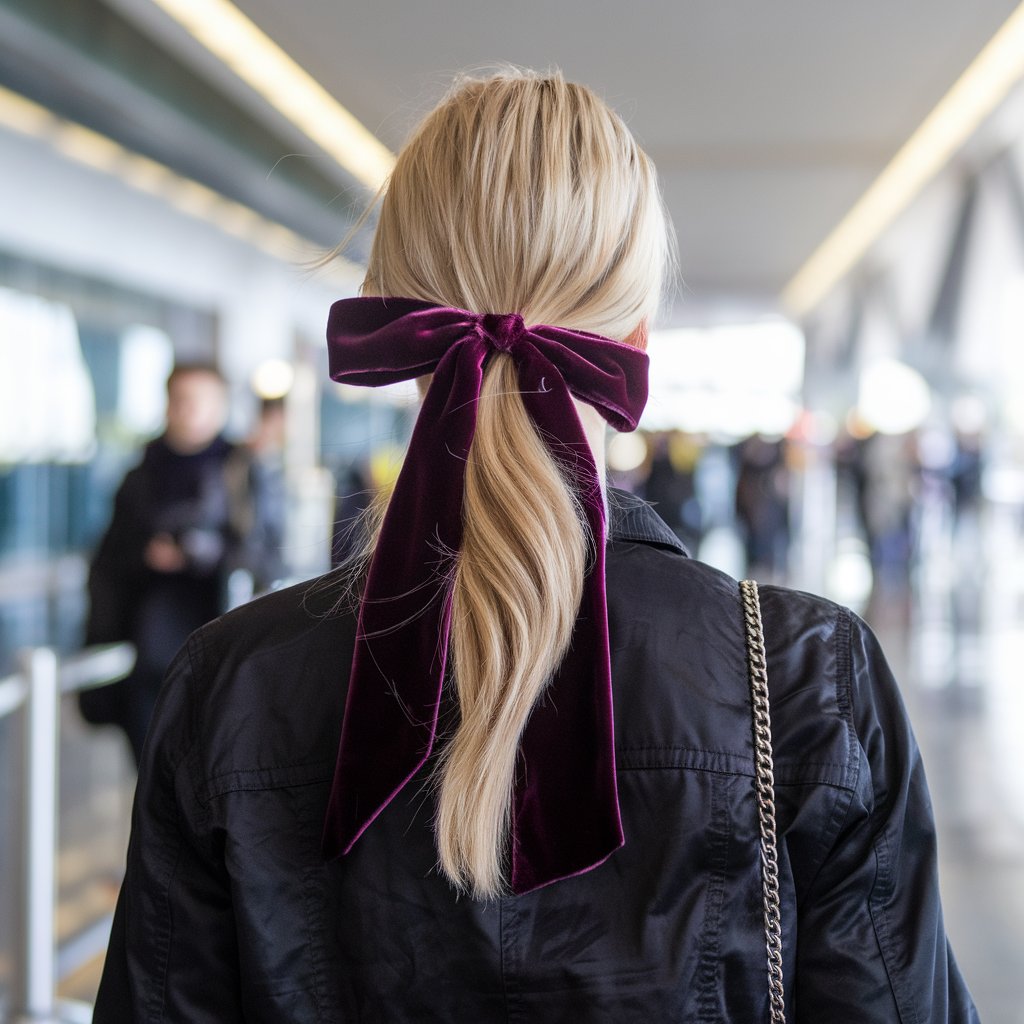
394 688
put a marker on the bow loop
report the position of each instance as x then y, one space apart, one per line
565 812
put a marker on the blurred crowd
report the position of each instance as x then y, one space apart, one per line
889 490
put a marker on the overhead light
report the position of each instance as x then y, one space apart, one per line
200 201
972 98
22 115
85 146
893 397
273 379
144 174
228 34
626 452
101 153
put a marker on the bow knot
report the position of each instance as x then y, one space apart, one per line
565 813
503 330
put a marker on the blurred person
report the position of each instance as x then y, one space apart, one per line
161 567
671 485
966 472
890 472
762 505
500 765
851 478
257 489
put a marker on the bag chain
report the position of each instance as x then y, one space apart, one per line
764 785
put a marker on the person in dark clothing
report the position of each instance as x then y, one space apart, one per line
159 570
672 488
503 768
257 493
762 504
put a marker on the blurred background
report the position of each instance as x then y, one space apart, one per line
837 379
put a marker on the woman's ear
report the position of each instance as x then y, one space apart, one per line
638 339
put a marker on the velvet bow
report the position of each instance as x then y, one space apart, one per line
565 814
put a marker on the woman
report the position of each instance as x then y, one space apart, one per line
516 783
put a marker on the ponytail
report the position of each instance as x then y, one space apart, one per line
515 596
521 194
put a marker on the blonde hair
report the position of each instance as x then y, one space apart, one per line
520 193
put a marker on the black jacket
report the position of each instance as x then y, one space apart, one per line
229 913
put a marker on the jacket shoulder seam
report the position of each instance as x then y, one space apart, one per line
842 640
197 658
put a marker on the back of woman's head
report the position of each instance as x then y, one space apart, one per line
520 193
524 193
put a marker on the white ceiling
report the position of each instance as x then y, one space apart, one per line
766 120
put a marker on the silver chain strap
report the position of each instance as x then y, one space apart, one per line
764 786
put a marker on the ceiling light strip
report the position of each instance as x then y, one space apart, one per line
228 34
974 96
101 153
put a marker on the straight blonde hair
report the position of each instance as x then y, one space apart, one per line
520 193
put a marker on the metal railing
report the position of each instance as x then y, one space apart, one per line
39 963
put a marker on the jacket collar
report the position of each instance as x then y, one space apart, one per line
633 519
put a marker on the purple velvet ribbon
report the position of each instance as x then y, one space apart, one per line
565 815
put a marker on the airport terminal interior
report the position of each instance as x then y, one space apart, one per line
837 374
